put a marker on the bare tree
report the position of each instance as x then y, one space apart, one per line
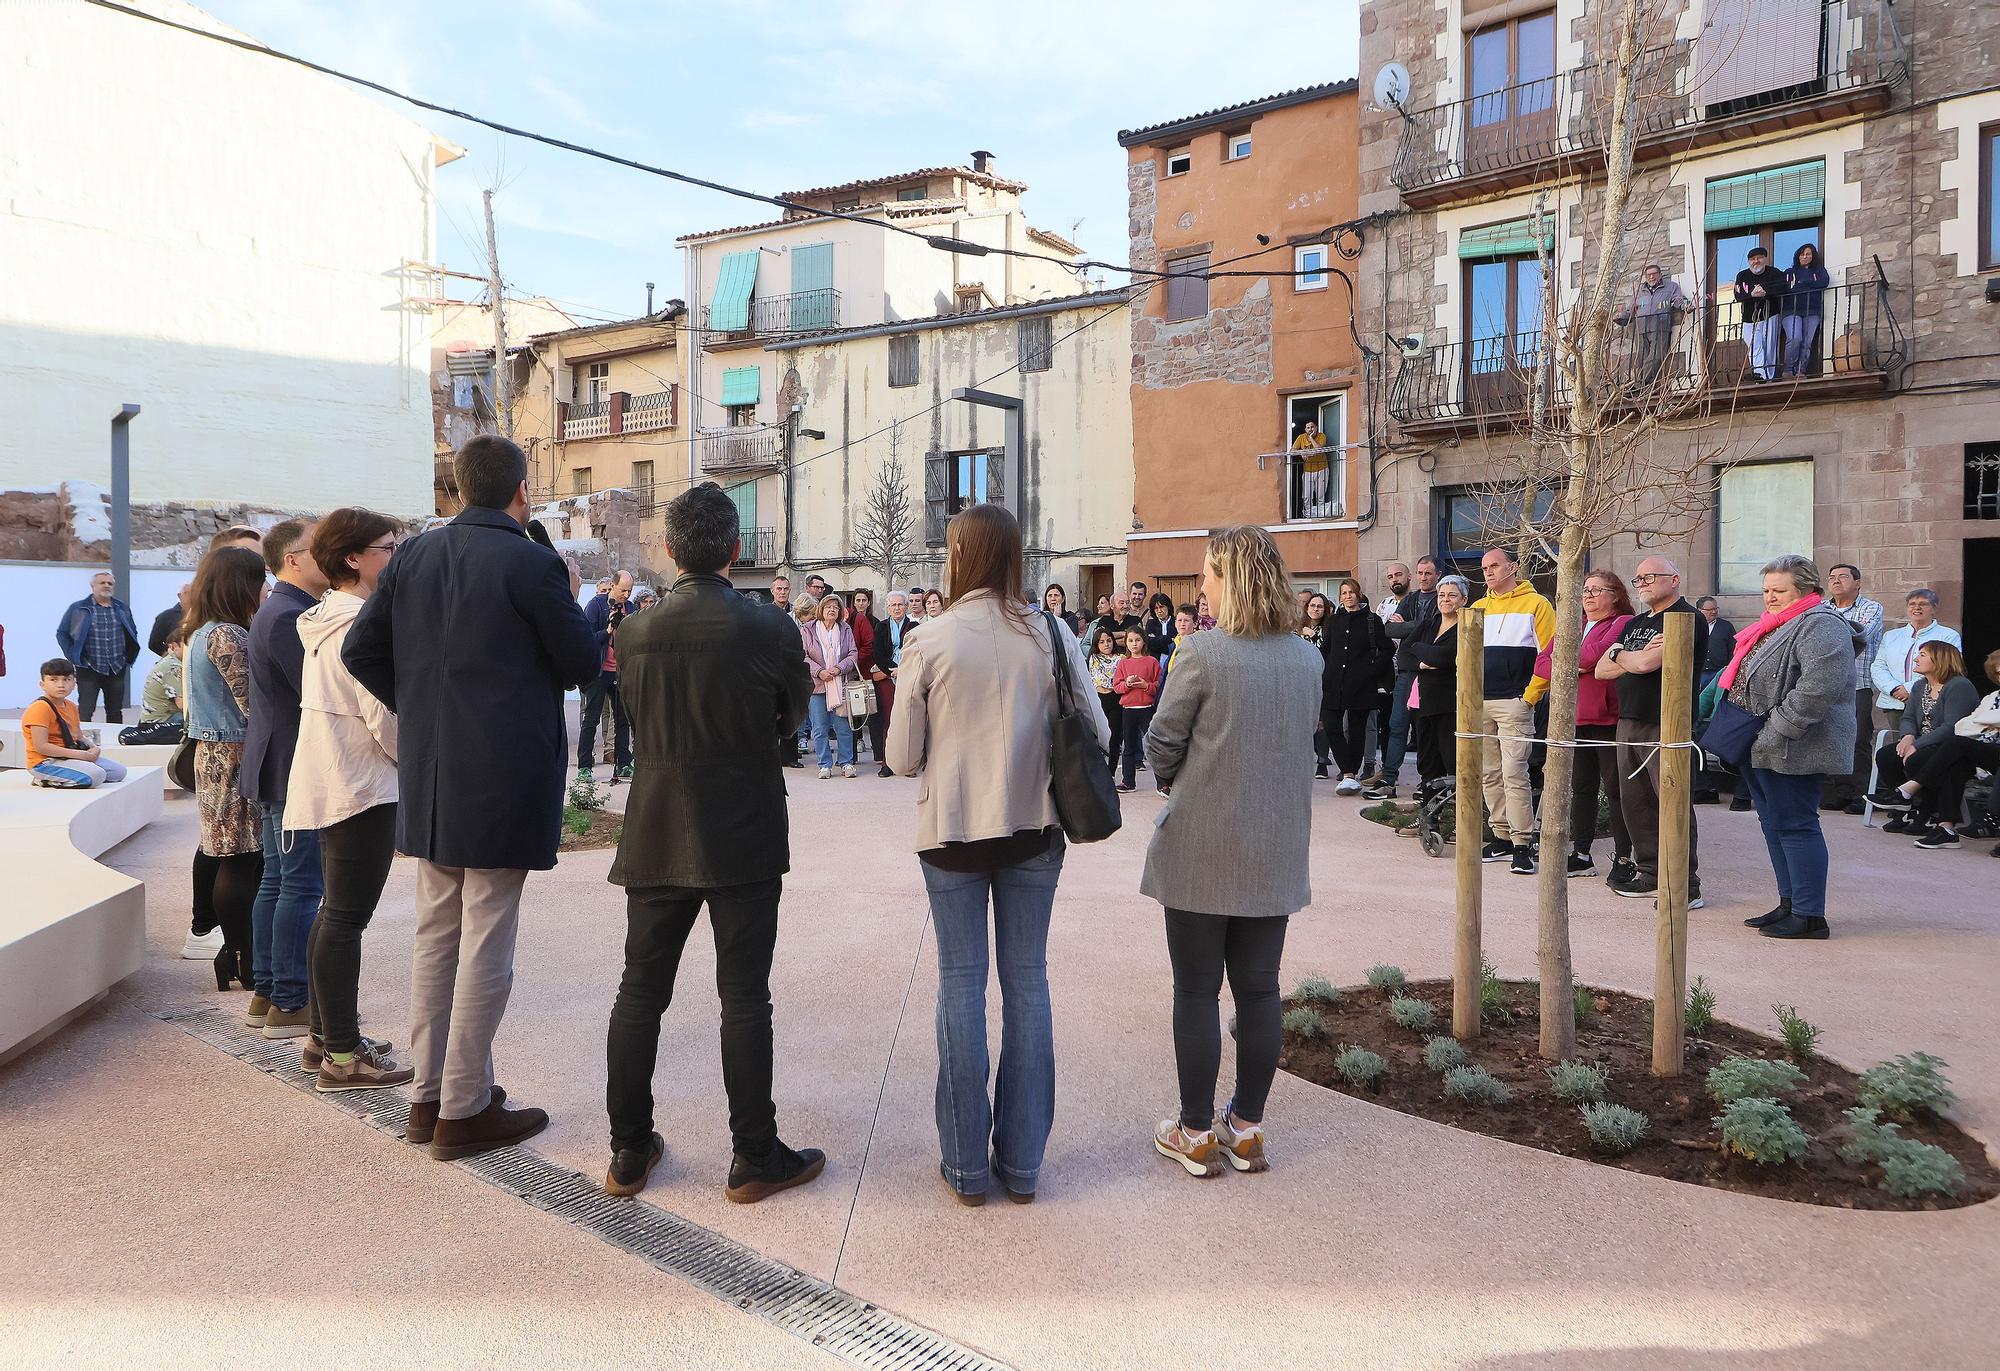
885 537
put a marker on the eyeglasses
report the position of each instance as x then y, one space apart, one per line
380 547
1646 578
1597 590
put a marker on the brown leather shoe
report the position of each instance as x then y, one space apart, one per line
492 1128
423 1123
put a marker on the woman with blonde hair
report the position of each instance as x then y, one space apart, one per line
833 657
975 712
1941 697
1231 747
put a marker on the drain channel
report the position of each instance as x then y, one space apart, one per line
824 1315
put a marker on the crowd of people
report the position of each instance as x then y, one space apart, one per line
346 695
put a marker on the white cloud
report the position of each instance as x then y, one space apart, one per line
570 109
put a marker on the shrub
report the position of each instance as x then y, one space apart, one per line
584 795
1578 1081
1305 1022
1614 1128
1762 1130
1911 1168
1585 1003
1700 1008
1409 1012
577 821
1316 990
1389 978
1903 1085
1741 1078
1442 1053
1492 995
1476 1085
1800 1036
1867 1136
1359 1067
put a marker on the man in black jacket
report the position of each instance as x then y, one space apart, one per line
1760 290
1416 605
471 637
716 687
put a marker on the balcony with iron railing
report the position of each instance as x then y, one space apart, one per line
1313 482
1685 95
644 413
805 311
619 414
591 419
1708 357
751 447
760 548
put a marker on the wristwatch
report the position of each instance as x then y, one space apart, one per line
1616 648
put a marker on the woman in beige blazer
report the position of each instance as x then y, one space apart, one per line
1231 746
975 710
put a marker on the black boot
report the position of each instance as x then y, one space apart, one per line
1776 916
751 1181
1795 926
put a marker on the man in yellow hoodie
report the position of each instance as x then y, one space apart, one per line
1520 629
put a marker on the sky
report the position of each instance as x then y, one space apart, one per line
782 97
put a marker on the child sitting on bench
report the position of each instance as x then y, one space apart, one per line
58 756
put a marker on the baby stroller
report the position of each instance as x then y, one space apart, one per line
1435 800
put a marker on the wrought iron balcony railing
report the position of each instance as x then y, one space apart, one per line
754 447
760 548
592 419
1853 344
1685 94
804 311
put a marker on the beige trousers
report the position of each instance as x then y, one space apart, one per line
461 973
1510 799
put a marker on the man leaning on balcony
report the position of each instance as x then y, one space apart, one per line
1657 304
1314 471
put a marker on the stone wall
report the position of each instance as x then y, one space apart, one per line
1229 343
72 523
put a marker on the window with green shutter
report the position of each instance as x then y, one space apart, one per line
740 385
744 495
1516 237
729 306
1777 195
813 295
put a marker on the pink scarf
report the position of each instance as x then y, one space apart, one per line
1748 638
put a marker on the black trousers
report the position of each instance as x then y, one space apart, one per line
1437 742
354 859
1945 768
605 687
236 882
1203 947
658 920
204 920
90 684
1346 730
1596 768
1115 718
1135 723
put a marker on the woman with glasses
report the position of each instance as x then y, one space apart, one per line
1607 609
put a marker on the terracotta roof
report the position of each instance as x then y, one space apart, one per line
1051 305
663 317
892 209
984 178
1194 123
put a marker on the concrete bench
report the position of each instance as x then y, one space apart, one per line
106 737
70 927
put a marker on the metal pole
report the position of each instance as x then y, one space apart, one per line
1470 822
121 501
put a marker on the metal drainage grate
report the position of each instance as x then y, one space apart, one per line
824 1315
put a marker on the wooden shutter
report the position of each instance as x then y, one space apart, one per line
1034 347
1187 289
812 287
996 476
903 369
937 493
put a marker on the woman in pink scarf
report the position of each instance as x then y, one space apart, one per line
832 657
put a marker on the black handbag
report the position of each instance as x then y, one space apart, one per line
1079 772
1731 733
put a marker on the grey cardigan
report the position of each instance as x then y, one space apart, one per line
1958 699
1802 678
1232 738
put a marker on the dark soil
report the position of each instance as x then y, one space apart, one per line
603 832
1682 1143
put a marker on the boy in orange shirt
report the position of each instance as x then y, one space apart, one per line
59 755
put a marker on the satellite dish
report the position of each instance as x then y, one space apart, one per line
1392 86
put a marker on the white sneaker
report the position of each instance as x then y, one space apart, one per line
1348 786
847 773
202 947
826 773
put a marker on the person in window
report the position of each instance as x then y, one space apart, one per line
1799 318
1656 305
1941 697
1760 290
831 656
1313 630
1315 474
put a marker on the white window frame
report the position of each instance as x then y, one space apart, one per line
1183 155
1236 146
596 382
1309 275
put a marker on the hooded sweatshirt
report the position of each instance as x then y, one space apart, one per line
346 758
1806 286
1520 630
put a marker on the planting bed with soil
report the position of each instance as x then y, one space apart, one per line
590 828
1682 1141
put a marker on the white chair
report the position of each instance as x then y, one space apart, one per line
1874 779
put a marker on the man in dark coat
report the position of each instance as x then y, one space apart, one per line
471 637
716 687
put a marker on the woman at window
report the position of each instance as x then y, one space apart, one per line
1804 306
1103 664
1430 651
832 657
1607 608
976 713
1228 857
1941 698
1358 673
228 588
1313 630
1137 684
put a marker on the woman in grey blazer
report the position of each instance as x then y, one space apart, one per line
1231 747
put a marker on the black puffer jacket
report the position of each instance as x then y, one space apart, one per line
1360 666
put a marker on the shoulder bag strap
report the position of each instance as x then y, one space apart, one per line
62 725
1065 691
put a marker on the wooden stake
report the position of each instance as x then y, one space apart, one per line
1676 819
1471 821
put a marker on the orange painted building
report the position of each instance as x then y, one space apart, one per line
1227 372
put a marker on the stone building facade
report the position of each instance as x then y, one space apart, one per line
1863 128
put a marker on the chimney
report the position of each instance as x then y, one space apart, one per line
649 299
982 161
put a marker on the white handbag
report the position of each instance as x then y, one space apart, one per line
860 699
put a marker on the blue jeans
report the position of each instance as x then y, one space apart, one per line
1398 741
1788 812
1015 1124
824 719
282 918
1800 332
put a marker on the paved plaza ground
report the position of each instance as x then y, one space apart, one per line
168 1205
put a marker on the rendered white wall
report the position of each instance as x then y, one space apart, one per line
217 236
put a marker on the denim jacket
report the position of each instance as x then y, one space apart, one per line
213 714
